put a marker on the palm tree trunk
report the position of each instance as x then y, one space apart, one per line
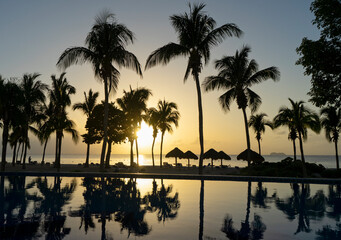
337 156
247 138
131 153
14 151
87 156
22 151
163 133
107 159
259 149
201 130
105 121
294 146
59 150
201 207
137 152
302 155
16 158
153 151
25 153
43 159
56 154
4 145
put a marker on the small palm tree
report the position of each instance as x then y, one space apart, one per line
299 118
197 35
331 122
87 108
236 75
168 115
106 45
46 127
152 119
258 123
60 99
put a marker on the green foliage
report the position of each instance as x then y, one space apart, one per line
321 58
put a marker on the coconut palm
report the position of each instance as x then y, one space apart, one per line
134 105
46 127
33 94
331 122
299 118
105 46
11 102
87 108
197 35
168 115
60 99
258 123
152 119
236 75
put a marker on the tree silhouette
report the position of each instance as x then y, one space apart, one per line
258 123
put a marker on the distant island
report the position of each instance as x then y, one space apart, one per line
277 154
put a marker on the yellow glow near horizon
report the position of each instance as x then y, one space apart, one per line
145 135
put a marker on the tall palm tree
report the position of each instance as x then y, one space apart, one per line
46 127
87 108
331 122
11 105
168 115
299 118
34 96
60 99
134 105
105 45
258 123
197 35
152 119
236 75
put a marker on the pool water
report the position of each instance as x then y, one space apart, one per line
112 208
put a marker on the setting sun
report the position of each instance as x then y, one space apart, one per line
145 135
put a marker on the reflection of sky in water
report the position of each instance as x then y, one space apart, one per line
145 201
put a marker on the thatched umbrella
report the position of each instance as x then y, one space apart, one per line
212 154
255 157
189 155
222 156
176 153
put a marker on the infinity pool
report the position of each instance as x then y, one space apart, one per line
111 208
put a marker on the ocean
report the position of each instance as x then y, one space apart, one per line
327 161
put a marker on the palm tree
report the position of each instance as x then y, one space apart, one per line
299 119
46 127
34 97
168 115
60 99
197 35
236 75
105 45
11 102
331 122
258 123
152 119
87 108
134 104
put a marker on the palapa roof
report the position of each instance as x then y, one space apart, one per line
223 155
213 154
189 155
255 157
176 152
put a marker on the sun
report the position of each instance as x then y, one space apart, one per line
145 135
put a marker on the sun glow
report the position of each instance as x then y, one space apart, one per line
145 135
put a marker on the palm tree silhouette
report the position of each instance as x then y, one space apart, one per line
60 99
331 122
236 75
334 202
105 46
298 118
197 35
34 97
168 114
134 105
152 119
46 127
258 123
87 108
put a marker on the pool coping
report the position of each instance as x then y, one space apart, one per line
179 177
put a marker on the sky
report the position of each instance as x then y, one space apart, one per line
35 33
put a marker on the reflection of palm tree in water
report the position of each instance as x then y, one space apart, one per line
160 201
334 202
303 205
260 197
201 216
